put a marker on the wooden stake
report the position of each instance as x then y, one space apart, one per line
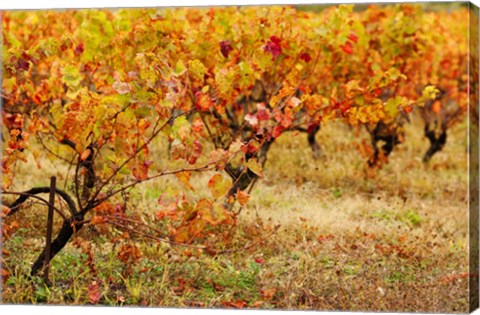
48 245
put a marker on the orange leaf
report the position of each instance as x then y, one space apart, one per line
436 107
129 253
268 293
242 197
85 154
182 235
4 273
98 220
140 171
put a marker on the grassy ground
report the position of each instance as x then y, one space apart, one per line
396 241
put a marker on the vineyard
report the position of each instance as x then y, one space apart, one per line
236 157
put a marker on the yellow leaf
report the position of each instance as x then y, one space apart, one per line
184 178
219 185
255 167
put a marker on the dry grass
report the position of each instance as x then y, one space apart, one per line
396 241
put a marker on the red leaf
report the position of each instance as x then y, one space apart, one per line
345 107
23 64
377 92
408 109
262 112
93 293
353 37
79 49
275 39
305 57
225 48
347 48
277 131
37 99
274 47
259 260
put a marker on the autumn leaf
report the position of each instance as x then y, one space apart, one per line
235 147
93 293
259 260
255 167
198 126
71 76
140 170
437 107
353 37
196 69
268 294
79 49
121 87
182 235
98 220
235 304
218 157
242 197
252 120
203 101
347 48
85 154
277 131
305 57
129 253
23 64
225 48
430 92
263 113
274 47
179 69
219 185
184 178
4 274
